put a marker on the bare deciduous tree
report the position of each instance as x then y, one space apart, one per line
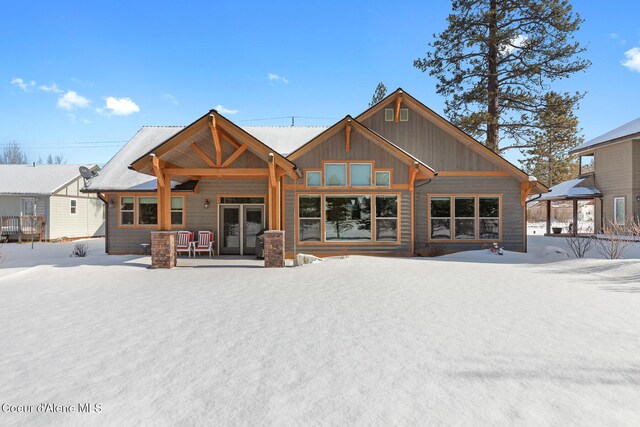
12 154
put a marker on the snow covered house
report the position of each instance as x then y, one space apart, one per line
46 201
397 179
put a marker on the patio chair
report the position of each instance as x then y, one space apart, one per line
184 242
204 243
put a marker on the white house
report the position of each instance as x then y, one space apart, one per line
50 195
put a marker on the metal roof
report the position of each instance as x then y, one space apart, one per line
38 179
578 188
285 139
628 129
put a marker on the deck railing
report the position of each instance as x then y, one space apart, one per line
19 225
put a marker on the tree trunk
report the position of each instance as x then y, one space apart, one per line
492 81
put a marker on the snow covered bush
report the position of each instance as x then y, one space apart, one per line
80 250
579 245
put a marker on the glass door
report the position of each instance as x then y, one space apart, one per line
230 230
252 224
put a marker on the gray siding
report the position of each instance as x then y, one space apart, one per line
198 218
512 211
614 177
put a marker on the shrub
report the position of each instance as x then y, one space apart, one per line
579 245
615 241
80 250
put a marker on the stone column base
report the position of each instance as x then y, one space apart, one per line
274 249
163 249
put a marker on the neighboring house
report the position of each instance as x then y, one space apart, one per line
51 193
396 180
609 174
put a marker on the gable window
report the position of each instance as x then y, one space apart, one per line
310 218
314 178
489 218
73 206
388 114
465 214
618 211
177 210
347 218
360 174
147 211
404 114
441 218
383 178
126 210
335 174
387 218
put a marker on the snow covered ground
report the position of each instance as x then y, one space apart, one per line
465 339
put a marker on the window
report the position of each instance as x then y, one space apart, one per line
360 174
28 206
404 114
388 115
465 218
387 218
310 218
489 218
314 179
147 211
335 174
618 211
177 210
73 206
242 200
587 163
126 210
383 178
441 218
347 218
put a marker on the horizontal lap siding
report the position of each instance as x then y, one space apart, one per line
512 211
614 178
198 218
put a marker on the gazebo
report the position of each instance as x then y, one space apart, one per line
574 190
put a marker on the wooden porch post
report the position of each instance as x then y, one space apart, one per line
575 217
165 207
548 216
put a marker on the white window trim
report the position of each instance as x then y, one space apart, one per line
450 218
319 196
480 218
306 178
615 210
181 210
346 174
386 117
120 211
375 180
474 217
345 196
71 206
31 199
406 111
397 218
370 173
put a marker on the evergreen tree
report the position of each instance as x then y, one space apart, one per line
379 94
494 63
549 159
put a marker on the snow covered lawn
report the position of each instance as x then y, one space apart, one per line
465 339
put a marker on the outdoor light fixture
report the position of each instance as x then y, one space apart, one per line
112 204
206 203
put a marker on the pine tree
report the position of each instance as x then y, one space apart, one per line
378 94
494 63
549 159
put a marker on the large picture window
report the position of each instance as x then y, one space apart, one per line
387 218
348 218
147 211
441 218
465 218
127 205
489 218
360 174
335 174
310 218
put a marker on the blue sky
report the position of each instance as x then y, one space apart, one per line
80 79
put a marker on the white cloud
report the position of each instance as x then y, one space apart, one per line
633 59
53 88
170 98
71 100
220 109
274 78
517 42
119 106
25 86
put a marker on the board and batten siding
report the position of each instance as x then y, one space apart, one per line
124 239
512 221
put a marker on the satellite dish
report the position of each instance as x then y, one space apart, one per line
85 172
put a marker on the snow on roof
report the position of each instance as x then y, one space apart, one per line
285 139
38 179
116 174
572 189
627 129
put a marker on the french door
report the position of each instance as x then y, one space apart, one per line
238 227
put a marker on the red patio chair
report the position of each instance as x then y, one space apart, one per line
184 242
204 243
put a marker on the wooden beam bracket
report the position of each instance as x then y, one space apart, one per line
348 136
397 106
215 134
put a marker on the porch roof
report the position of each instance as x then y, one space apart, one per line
578 188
